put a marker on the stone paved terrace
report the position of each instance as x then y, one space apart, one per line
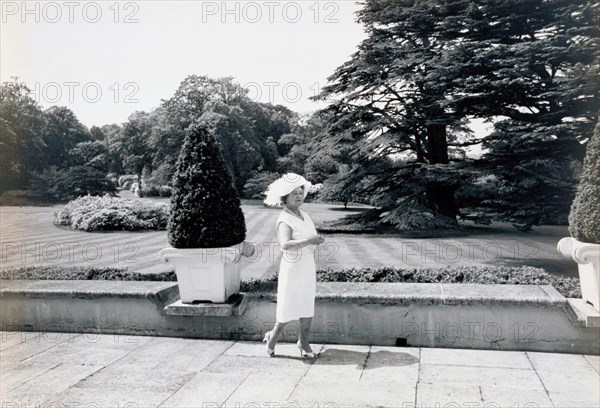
90 370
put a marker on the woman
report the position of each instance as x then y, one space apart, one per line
297 273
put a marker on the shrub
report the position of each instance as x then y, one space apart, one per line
258 183
320 166
113 178
155 191
409 216
126 180
205 206
57 185
112 213
162 175
584 218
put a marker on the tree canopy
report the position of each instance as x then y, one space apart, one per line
429 67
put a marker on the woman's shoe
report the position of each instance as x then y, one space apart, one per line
267 339
305 353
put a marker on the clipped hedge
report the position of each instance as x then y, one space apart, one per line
113 213
57 272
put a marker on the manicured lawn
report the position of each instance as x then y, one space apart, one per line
28 237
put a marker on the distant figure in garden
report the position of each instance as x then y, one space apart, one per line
297 273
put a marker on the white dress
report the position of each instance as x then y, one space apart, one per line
297 272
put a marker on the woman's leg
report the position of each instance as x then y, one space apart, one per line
277 330
305 323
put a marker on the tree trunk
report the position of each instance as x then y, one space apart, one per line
438 145
419 150
440 197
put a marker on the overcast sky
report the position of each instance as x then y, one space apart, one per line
105 60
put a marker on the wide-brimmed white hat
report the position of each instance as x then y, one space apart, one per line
283 186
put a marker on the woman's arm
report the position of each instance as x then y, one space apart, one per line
284 233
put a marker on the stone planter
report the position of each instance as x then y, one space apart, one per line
207 274
587 257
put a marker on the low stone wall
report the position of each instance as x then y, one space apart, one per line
499 317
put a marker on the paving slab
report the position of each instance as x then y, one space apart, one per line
30 399
259 389
33 346
191 355
450 395
319 392
254 349
90 354
475 358
496 377
244 366
9 339
207 388
594 361
509 398
124 396
572 399
195 356
13 375
43 387
344 362
114 341
152 353
567 374
155 380
392 363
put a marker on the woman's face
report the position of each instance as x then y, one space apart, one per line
296 197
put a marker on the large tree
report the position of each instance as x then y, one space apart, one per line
536 74
21 144
132 143
246 131
63 131
300 152
427 67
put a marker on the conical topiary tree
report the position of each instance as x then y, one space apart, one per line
205 206
584 219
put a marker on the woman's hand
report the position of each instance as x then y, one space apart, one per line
316 240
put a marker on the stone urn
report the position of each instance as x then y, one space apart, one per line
207 274
587 257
